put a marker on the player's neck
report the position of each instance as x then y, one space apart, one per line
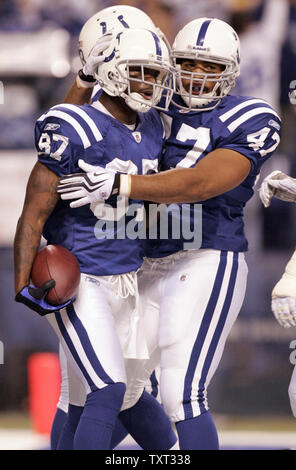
118 108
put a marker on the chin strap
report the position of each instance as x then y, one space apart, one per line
207 99
136 102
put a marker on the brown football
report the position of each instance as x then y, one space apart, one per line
58 263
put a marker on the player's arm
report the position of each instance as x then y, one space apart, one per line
219 172
78 95
41 198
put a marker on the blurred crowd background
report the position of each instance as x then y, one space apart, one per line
38 63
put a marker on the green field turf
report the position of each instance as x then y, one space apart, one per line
11 420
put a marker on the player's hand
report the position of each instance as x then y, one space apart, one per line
34 298
279 185
95 58
95 185
283 302
284 310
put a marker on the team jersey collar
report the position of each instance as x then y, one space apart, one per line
179 100
98 105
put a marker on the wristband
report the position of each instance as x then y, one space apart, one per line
85 81
125 185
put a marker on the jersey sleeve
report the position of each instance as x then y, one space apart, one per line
59 141
256 138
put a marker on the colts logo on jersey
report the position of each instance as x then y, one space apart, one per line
137 136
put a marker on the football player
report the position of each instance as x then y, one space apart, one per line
94 38
100 331
283 298
216 144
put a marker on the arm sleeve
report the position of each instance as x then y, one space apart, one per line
256 138
58 144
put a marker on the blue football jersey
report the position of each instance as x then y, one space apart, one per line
247 125
95 233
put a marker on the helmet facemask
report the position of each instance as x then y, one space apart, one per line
198 81
117 78
162 83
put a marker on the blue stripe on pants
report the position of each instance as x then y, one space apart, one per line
87 347
72 349
208 315
154 384
218 332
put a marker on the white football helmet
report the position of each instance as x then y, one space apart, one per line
142 49
208 40
113 19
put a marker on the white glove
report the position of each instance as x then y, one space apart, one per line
279 185
283 302
96 185
86 76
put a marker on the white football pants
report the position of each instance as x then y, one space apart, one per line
190 302
77 396
102 339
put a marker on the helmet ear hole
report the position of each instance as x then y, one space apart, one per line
81 55
117 18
